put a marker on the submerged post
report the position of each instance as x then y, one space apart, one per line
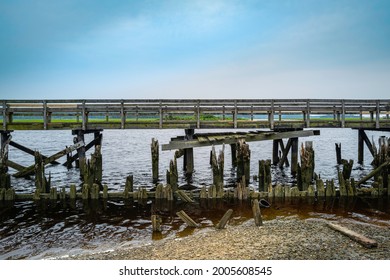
217 166
294 155
338 152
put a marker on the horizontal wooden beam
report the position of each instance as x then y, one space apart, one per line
30 169
231 139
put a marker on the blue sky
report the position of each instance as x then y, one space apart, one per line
194 49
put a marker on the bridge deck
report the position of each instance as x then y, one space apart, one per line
186 113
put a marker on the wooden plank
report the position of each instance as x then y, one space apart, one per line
30 169
185 144
27 150
15 165
361 239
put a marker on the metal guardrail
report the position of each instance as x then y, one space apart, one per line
194 113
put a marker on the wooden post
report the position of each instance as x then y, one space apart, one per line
275 151
97 165
257 213
105 192
307 164
347 168
294 155
377 115
198 115
190 222
217 166
233 148
5 109
123 116
156 223
172 174
222 223
5 178
235 114
243 160
84 116
361 146
271 116
343 113
338 152
307 114
155 159
189 153
80 151
320 188
264 176
129 183
72 192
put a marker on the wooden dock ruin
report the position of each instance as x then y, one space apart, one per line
280 121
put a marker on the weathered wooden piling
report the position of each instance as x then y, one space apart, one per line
72 192
85 192
185 218
188 161
243 160
217 166
129 183
347 168
156 223
222 223
330 189
172 174
264 176
241 192
155 159
338 153
97 165
257 213
233 150
320 186
306 169
9 194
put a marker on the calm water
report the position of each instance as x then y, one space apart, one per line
51 229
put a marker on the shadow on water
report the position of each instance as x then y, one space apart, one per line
46 229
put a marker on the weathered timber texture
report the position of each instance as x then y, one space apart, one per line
155 160
361 239
222 223
156 223
338 153
217 166
243 160
306 169
264 175
257 213
185 218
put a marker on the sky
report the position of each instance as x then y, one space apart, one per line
76 49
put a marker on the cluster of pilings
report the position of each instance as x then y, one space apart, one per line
307 182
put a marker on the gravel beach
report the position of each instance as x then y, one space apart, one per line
285 238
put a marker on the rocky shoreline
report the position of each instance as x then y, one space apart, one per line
285 238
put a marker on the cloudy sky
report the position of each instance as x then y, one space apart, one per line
194 49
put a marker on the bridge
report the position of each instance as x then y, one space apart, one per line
273 114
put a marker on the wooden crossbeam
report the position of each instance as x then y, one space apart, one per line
31 169
231 139
27 150
285 153
15 165
87 147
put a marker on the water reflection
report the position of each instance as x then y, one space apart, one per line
45 229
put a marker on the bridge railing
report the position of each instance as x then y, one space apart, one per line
196 113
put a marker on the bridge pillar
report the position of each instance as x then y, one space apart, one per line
275 152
